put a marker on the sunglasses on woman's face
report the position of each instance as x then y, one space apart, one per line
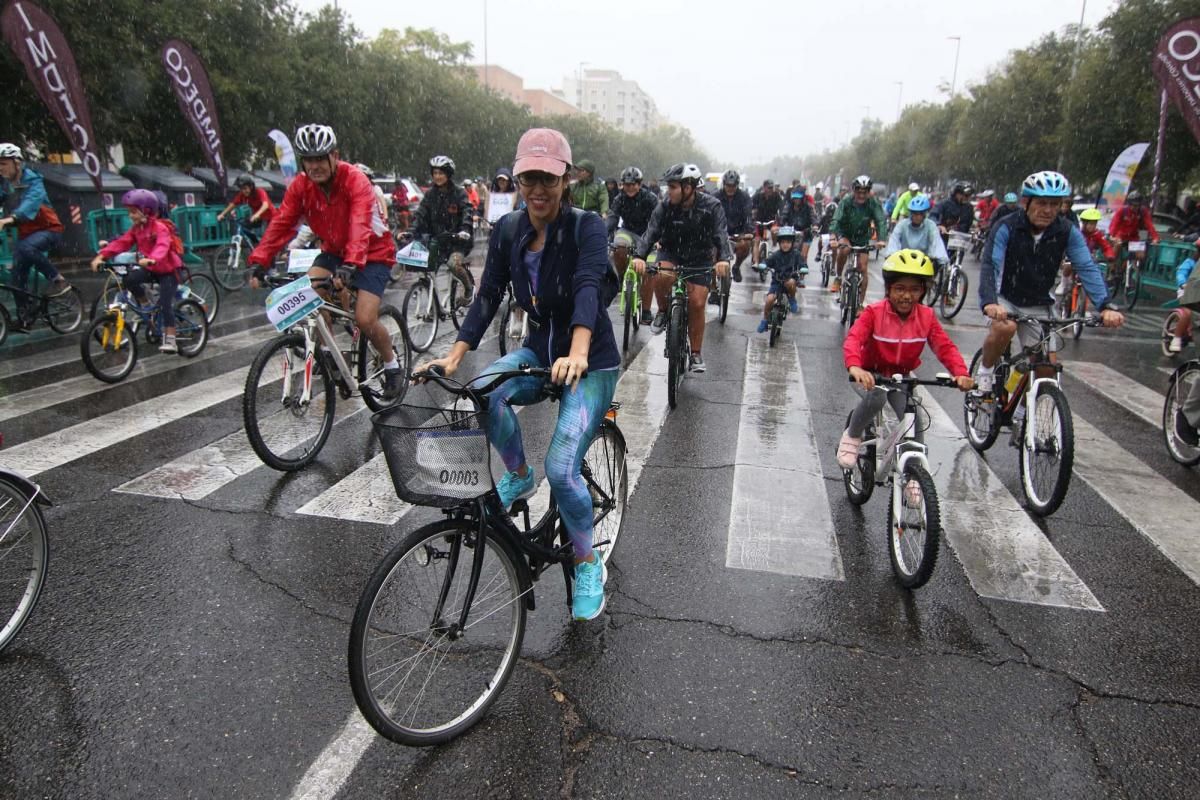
531 179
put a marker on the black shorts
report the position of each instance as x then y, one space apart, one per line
372 277
701 279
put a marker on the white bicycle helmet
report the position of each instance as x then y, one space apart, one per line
1046 183
786 232
9 150
863 182
631 175
365 170
315 140
444 163
683 173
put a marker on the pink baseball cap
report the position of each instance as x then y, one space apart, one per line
542 150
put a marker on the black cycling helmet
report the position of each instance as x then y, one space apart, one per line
962 186
631 175
243 181
731 176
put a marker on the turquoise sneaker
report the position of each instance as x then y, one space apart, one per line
513 487
588 599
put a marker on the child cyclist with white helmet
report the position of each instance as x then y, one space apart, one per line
888 338
787 266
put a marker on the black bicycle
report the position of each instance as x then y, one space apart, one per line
851 296
62 312
679 350
438 627
1182 383
776 316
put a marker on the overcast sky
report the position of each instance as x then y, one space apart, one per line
751 79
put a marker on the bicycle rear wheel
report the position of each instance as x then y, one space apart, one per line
191 328
1046 463
228 267
419 314
285 432
826 269
860 480
108 358
981 415
205 292
418 678
606 475
64 312
24 555
370 362
676 353
914 527
1181 385
955 293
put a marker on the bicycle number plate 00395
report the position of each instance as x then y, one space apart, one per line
453 463
289 304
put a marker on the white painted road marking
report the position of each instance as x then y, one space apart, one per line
77 441
1143 402
1004 554
780 520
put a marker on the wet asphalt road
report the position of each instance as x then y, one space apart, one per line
197 647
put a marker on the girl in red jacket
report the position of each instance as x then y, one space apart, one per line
888 338
154 239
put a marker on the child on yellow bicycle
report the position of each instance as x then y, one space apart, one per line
888 338
155 240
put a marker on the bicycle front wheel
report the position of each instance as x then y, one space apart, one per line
109 350
676 353
286 431
419 315
191 328
1182 384
981 414
64 312
370 362
726 285
24 554
854 302
914 527
228 267
1133 285
1078 308
606 476
418 677
1047 454
955 294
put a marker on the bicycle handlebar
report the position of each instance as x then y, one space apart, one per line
901 382
1058 323
437 375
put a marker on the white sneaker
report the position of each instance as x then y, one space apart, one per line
1176 344
985 380
168 345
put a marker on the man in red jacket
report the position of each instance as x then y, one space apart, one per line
1126 226
338 203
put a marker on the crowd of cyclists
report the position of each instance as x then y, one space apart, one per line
556 244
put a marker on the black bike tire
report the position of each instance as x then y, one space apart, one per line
1078 296
357 657
1170 406
3 324
78 318
249 399
1168 333
214 299
628 315
457 313
427 285
933 528
865 467
1131 297
130 337
502 331
855 304
1066 455
725 286
611 435
826 269
10 628
182 306
963 288
675 369
403 355
981 445
236 278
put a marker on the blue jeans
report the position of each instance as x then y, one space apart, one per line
168 283
580 413
31 251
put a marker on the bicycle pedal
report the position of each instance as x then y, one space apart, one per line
519 506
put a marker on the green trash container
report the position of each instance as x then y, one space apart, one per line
1162 261
200 230
106 225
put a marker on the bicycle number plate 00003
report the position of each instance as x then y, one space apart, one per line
453 463
289 304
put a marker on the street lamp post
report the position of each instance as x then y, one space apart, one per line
899 96
954 76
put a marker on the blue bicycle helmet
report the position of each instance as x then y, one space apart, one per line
919 204
797 194
1046 184
1010 197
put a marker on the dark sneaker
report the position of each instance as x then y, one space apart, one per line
393 384
647 317
714 298
697 363
660 323
1185 432
737 274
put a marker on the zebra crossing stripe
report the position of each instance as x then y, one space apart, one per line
1004 554
777 458
117 427
1141 401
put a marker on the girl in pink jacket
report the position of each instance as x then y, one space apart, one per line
154 238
